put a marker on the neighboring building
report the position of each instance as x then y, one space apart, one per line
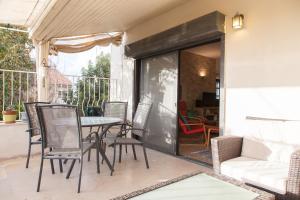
59 85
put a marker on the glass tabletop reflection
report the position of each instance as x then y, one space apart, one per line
99 121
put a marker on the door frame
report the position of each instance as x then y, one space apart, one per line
137 79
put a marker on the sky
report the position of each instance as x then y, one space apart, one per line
72 63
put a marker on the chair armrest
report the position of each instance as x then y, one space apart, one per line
31 129
225 148
293 183
195 124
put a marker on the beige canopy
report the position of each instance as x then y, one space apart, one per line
83 43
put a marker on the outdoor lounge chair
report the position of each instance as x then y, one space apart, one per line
273 166
62 137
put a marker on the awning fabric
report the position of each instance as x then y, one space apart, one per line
83 43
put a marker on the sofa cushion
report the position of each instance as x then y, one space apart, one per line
267 150
266 174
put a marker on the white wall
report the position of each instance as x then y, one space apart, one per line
14 141
261 62
121 78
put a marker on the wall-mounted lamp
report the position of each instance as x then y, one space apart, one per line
202 73
238 21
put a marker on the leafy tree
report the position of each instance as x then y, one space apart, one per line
15 48
95 80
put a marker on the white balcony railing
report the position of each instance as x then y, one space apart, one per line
17 87
21 86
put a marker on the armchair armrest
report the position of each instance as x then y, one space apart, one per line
293 183
225 148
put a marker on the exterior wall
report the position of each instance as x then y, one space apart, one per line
121 78
261 62
192 84
14 141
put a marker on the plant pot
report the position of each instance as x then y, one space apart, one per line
9 116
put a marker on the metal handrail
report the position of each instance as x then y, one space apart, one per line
21 86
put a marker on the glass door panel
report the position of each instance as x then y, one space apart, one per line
158 84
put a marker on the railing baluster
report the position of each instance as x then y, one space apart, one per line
94 92
12 88
72 86
82 104
108 89
88 103
99 95
3 91
27 83
20 90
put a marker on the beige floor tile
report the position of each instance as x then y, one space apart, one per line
18 183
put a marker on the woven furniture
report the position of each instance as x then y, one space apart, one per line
138 130
62 137
34 130
227 154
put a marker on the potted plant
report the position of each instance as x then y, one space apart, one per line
9 115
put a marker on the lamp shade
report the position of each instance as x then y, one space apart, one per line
238 21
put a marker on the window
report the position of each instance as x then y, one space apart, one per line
218 89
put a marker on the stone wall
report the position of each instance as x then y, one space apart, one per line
192 84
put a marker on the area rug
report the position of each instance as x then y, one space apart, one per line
192 187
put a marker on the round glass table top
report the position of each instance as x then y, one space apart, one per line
99 121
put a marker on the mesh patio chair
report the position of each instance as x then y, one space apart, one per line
137 129
62 137
34 130
116 109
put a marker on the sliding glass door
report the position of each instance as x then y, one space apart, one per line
158 84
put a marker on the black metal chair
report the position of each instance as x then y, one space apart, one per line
34 130
137 129
62 137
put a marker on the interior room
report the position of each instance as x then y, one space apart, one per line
199 93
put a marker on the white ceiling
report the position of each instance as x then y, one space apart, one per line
212 50
21 12
78 17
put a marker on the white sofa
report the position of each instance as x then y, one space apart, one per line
272 166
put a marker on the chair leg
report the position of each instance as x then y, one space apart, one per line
65 161
29 152
71 168
40 175
126 148
133 150
80 174
114 160
60 166
97 157
146 158
104 151
52 166
89 153
120 153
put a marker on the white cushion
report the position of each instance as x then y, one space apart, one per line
268 150
266 174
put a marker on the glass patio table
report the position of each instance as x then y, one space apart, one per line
106 123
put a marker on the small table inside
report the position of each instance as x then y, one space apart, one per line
98 122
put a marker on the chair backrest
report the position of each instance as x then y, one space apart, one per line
33 122
182 108
115 109
140 119
60 126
